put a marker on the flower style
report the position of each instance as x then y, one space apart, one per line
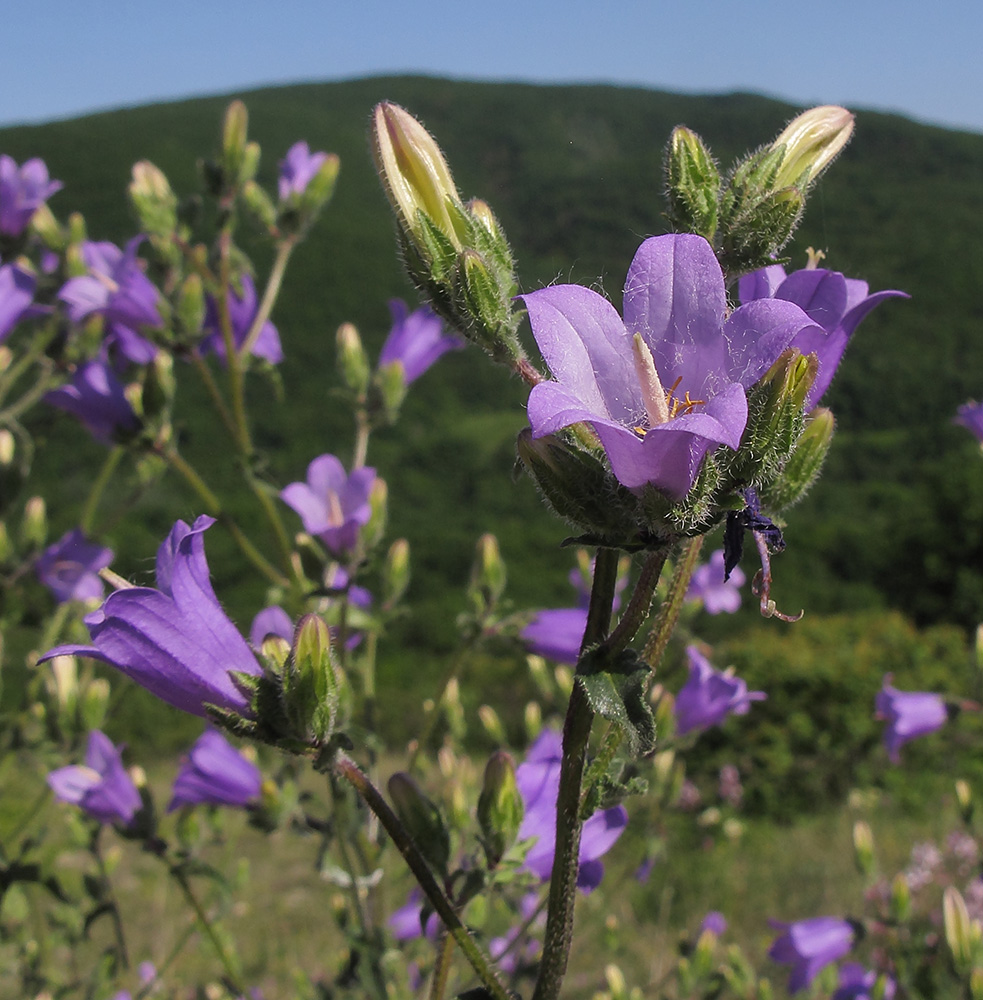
242 312
175 641
297 169
70 567
22 190
538 778
216 774
969 415
908 714
101 786
835 304
416 340
667 385
709 585
116 288
96 397
333 505
710 695
809 946
16 295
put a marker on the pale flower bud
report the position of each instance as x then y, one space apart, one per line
811 142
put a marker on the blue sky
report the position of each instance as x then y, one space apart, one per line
64 58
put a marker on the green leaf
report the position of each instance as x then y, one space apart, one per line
619 696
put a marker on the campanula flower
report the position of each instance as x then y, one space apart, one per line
715 922
101 786
538 778
858 983
835 304
16 295
908 714
405 922
416 340
333 505
709 586
710 695
176 641
297 169
270 621
809 946
242 311
22 190
215 773
117 289
96 397
969 415
70 567
667 384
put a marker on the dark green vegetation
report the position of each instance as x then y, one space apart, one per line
574 174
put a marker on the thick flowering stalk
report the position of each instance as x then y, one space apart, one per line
101 787
668 383
176 641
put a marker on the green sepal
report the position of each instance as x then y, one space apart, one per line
617 693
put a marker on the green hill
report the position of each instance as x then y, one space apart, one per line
574 174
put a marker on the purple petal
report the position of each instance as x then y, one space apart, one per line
215 773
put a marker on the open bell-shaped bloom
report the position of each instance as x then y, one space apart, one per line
538 779
242 311
710 695
22 191
101 787
70 567
176 641
332 504
969 415
215 773
667 384
809 946
97 398
297 169
718 592
835 304
908 714
416 340
16 295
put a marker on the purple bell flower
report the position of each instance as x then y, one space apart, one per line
405 922
333 505
835 303
809 946
22 191
101 787
116 288
242 312
215 773
16 295
538 779
715 922
96 397
175 641
416 340
908 714
709 586
297 169
969 415
270 621
70 567
667 385
858 983
710 695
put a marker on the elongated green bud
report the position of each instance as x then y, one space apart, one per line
500 807
487 574
863 848
396 572
190 309
34 526
899 903
153 200
310 684
958 929
692 185
805 464
259 204
234 130
352 359
422 820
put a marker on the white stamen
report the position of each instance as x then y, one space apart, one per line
653 395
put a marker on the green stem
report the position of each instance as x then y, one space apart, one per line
12 412
640 604
362 430
576 733
233 359
270 294
227 960
39 344
99 487
658 639
442 968
481 964
110 899
214 507
215 395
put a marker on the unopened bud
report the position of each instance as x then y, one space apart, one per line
422 820
153 200
352 360
34 526
492 723
320 188
500 807
692 184
234 130
416 177
44 223
94 704
900 899
964 796
958 929
259 204
396 572
532 720
487 574
810 143
375 528
806 462
390 381
7 447
310 684
863 848
190 309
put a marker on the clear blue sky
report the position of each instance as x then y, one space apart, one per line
62 58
